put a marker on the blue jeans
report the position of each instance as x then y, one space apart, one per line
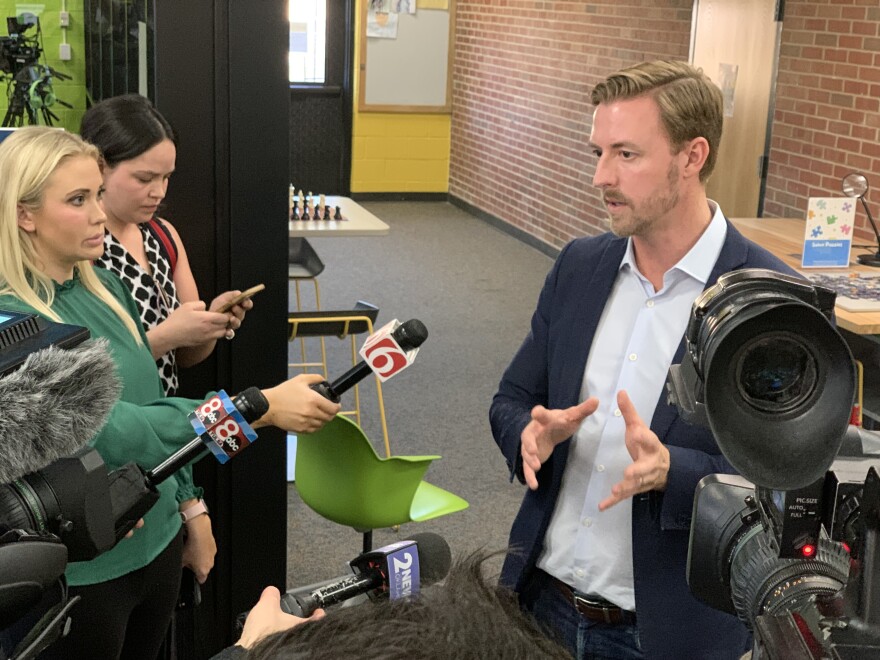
586 640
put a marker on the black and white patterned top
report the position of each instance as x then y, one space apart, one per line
155 304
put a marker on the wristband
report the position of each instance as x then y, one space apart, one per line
194 511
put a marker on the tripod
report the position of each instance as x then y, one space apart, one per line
32 93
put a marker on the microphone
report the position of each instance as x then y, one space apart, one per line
133 490
53 405
383 355
393 571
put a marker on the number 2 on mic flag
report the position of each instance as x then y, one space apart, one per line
384 355
222 427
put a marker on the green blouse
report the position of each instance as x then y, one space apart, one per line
143 426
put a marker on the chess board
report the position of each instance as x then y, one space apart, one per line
856 292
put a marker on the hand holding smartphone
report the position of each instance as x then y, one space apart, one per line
240 298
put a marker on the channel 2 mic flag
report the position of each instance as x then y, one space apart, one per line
222 427
384 355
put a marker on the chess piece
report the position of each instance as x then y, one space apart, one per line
294 215
338 215
291 204
310 201
322 207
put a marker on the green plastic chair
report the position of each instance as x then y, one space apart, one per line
340 476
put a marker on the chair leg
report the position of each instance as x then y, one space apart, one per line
368 540
302 340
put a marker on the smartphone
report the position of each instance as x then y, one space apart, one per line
241 297
190 594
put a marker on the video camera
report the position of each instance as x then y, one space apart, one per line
18 51
31 82
791 546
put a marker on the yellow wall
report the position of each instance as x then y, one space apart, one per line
397 152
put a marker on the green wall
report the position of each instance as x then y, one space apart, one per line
72 91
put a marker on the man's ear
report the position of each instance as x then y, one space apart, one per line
697 152
25 221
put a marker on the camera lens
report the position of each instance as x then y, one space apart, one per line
776 372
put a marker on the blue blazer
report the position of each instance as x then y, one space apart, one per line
548 370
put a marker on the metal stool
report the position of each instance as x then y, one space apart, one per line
304 264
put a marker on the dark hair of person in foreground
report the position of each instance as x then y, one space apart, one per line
464 617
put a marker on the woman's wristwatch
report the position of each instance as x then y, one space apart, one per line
194 511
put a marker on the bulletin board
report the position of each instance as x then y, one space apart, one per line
412 72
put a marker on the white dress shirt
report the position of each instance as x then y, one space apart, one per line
638 333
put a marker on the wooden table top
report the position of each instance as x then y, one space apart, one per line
784 237
359 222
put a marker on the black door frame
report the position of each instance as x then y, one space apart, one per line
223 84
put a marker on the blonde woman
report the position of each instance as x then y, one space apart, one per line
51 228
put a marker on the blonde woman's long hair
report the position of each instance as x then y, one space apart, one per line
28 158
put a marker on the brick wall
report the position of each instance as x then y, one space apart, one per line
521 118
827 105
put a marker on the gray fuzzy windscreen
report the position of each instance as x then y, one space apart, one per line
54 404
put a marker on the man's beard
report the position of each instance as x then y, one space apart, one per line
646 215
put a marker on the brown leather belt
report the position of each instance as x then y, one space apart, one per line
594 608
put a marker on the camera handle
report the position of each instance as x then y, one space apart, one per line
131 495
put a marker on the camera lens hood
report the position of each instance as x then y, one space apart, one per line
779 380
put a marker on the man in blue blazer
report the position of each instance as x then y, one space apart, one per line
599 547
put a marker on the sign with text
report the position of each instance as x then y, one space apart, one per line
828 233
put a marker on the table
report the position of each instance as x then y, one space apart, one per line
784 237
359 222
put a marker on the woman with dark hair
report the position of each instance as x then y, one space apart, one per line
139 148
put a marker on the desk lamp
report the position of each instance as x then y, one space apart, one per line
856 185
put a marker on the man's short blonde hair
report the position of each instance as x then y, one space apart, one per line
690 104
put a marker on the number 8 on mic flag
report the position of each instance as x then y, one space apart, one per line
384 355
222 427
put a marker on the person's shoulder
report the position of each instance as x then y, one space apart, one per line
166 224
112 282
12 303
761 257
587 245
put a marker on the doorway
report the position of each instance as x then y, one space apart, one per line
736 43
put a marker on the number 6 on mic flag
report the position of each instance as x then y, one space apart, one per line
384 355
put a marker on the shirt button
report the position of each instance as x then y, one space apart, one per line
600 468
633 357
617 412
650 303
587 522
579 572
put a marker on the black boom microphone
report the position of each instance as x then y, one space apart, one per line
393 571
408 336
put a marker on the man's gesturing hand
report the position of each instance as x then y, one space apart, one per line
546 430
650 464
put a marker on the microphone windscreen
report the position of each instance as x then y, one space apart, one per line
411 334
53 405
435 557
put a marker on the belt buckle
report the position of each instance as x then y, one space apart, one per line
605 609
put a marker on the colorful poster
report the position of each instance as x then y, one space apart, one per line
828 233
433 4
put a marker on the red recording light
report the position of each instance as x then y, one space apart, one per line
846 547
808 550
